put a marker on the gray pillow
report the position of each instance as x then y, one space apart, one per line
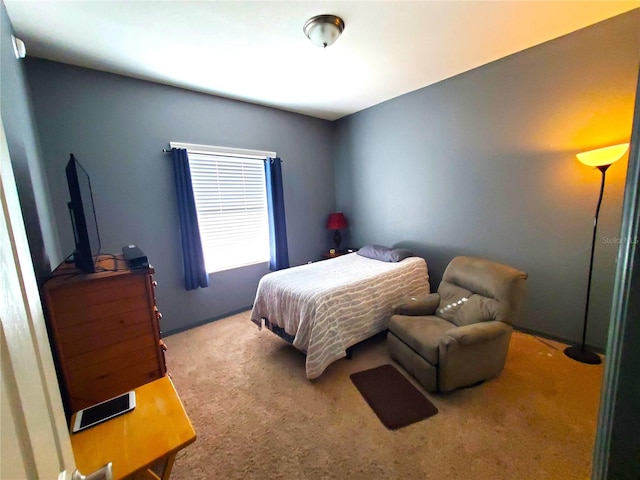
376 252
384 254
399 254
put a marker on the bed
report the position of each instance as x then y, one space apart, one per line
326 307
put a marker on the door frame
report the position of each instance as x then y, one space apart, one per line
35 436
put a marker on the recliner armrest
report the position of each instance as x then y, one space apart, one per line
418 305
477 333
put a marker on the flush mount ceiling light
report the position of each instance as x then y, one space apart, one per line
323 30
18 47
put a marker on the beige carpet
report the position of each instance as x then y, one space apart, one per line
257 417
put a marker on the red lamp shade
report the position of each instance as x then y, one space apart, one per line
337 221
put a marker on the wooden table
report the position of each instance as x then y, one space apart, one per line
139 443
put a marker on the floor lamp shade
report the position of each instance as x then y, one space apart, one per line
603 156
601 159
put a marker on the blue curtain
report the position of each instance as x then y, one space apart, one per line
277 224
195 273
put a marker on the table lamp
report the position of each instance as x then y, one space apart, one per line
337 222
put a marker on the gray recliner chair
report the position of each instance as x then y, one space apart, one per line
460 335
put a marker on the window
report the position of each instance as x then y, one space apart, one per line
231 203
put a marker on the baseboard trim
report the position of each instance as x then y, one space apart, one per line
556 338
204 322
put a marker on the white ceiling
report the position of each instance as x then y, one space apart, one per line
256 51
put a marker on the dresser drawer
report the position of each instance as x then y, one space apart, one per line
97 379
90 392
102 333
74 310
116 354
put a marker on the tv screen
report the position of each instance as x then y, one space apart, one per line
83 217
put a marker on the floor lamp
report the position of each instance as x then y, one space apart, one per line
601 159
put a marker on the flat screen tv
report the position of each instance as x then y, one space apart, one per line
83 217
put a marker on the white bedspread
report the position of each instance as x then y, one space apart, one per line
331 305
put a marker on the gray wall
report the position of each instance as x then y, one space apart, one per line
117 127
484 164
480 164
22 139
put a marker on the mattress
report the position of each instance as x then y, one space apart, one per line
330 305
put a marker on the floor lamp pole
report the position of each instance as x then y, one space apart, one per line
581 353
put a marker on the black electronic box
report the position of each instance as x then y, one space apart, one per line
135 258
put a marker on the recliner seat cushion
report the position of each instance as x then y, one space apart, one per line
422 334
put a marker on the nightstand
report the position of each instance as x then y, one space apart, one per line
328 255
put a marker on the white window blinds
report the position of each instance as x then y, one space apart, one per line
231 203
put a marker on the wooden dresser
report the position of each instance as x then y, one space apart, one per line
104 330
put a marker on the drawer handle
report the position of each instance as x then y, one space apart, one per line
163 346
